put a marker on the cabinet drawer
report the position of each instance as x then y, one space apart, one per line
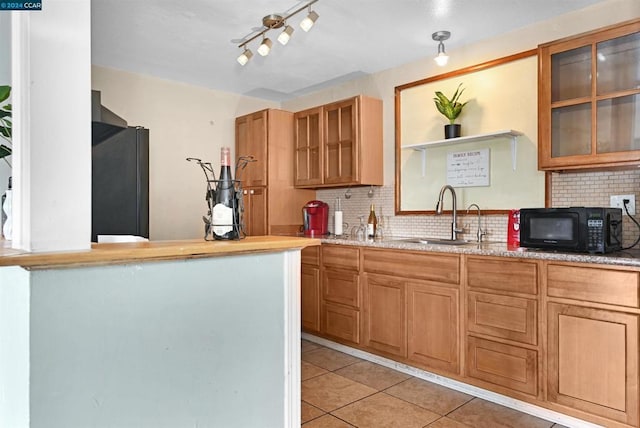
342 257
436 267
616 287
341 287
310 256
503 365
341 322
500 274
507 317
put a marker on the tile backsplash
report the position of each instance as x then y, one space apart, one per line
568 189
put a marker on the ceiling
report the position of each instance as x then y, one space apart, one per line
196 41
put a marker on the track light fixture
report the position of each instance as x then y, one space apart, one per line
442 58
274 21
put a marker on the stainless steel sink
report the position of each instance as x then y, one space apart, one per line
436 241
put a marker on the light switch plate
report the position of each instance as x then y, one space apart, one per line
616 201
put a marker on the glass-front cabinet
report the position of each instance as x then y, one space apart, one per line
589 100
339 144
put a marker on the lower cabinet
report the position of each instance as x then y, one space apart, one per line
432 326
412 312
341 294
310 289
556 334
385 321
592 361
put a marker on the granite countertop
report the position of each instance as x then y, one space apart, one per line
619 258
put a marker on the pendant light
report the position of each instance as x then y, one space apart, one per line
442 58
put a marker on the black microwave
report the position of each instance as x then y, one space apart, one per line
582 229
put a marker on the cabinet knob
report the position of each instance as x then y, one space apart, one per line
251 192
244 192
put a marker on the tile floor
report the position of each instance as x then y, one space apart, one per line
342 391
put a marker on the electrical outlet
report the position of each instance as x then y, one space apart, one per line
617 202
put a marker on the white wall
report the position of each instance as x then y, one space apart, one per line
5 79
51 165
183 121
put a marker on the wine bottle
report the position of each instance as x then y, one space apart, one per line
224 215
372 223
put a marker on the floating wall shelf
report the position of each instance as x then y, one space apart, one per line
510 133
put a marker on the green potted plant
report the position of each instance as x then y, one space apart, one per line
451 109
5 123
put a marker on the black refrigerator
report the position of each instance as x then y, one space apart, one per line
119 175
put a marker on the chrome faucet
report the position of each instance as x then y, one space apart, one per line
454 223
480 233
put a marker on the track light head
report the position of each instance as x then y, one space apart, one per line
265 47
285 36
442 58
308 22
245 56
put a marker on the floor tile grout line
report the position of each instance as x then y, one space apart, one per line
462 405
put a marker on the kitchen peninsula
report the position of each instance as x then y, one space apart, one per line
163 334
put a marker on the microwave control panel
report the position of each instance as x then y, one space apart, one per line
595 234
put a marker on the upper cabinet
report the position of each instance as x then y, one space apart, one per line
589 100
251 140
271 205
339 144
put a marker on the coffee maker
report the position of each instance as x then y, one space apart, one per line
315 218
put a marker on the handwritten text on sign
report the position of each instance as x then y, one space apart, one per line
468 169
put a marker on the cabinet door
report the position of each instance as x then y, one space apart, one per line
384 315
251 140
255 213
308 150
585 122
433 336
593 361
340 142
310 296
